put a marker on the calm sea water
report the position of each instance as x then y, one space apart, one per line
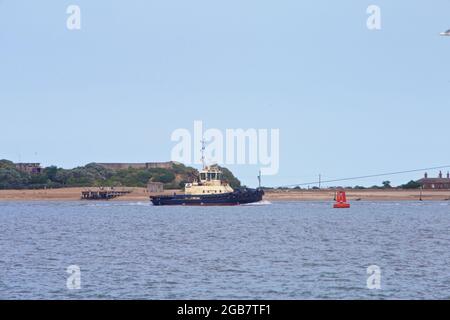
298 250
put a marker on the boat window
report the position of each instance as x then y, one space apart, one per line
202 176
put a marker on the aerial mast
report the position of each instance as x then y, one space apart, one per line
203 153
259 179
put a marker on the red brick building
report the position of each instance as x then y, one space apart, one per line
435 183
33 168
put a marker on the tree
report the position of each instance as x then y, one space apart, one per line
10 178
387 184
51 172
411 185
228 176
94 174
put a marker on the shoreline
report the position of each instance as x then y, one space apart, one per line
141 194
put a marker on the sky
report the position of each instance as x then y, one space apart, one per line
348 101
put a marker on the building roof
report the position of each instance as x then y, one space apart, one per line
434 180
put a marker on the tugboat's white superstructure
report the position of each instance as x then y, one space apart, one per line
209 182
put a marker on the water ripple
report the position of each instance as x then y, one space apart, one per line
290 250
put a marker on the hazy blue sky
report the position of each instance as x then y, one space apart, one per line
348 101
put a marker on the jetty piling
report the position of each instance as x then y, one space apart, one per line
103 194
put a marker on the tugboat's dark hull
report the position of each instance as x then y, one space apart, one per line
241 196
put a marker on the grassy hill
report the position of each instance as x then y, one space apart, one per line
95 175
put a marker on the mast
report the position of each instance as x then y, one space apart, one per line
259 179
203 154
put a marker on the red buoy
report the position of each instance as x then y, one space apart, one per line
341 201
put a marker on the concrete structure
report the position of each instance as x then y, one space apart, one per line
32 168
435 183
154 187
145 165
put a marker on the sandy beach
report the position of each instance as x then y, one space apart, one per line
356 195
69 194
141 194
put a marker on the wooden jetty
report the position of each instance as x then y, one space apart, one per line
103 194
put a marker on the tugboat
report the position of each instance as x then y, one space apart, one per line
210 190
